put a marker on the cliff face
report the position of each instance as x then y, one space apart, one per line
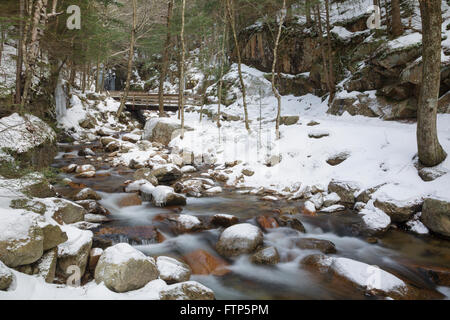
376 75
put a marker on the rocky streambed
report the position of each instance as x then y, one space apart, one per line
240 243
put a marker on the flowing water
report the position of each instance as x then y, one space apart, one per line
396 251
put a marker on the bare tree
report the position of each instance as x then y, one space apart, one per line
222 63
182 68
165 59
274 64
396 21
130 61
430 150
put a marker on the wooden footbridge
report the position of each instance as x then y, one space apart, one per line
137 101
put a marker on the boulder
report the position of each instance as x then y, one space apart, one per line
85 168
399 211
242 238
166 173
46 265
87 194
6 277
267 222
289 120
187 223
94 257
247 172
162 130
292 222
338 158
67 212
345 190
122 268
202 262
172 270
21 240
267 255
93 207
165 196
352 275
324 246
436 216
53 235
189 290
145 174
130 200
331 199
224 220
74 252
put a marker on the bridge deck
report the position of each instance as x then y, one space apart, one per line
150 101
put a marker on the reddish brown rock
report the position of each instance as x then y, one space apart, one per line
130 200
204 263
267 222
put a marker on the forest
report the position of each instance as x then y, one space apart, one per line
224 150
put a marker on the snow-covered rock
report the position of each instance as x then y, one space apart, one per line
75 251
172 271
162 130
267 255
6 277
166 173
166 196
190 290
122 268
239 239
188 223
436 215
375 219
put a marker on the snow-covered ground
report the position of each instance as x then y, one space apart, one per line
380 151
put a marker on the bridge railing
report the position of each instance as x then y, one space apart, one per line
151 99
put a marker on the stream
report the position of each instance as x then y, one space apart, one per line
396 251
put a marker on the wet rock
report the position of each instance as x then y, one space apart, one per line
165 196
436 216
267 255
439 275
189 290
21 241
102 243
239 239
135 235
187 223
86 175
289 120
324 246
145 174
338 158
87 194
93 207
289 210
6 277
202 262
399 211
67 212
86 152
267 222
74 252
122 268
172 270
69 169
309 208
224 220
167 173
130 200
345 190
292 222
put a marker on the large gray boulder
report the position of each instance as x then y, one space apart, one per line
122 268
6 277
167 173
67 212
243 238
163 196
53 235
436 216
399 211
162 130
21 240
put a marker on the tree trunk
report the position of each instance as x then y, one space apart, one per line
39 21
123 100
231 16
329 56
222 63
182 70
275 55
165 60
2 40
308 12
97 75
430 150
322 47
396 21
20 46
